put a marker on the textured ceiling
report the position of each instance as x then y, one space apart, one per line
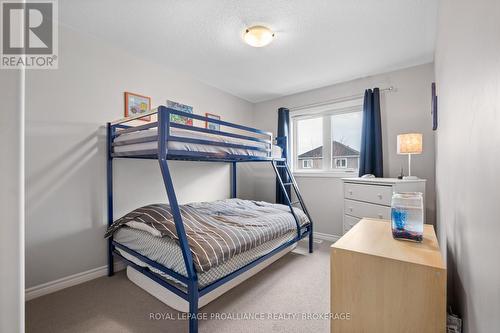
318 42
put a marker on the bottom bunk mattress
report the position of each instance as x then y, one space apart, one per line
215 231
167 252
180 304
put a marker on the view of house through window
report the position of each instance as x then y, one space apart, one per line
309 143
328 142
346 140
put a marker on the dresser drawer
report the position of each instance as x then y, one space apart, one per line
377 194
349 222
363 209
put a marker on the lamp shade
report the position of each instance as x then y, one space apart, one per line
410 143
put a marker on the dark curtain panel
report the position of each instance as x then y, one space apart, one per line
370 159
283 130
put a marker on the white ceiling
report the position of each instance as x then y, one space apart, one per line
319 42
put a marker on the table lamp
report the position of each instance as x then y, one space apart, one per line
409 144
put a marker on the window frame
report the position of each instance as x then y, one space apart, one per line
324 111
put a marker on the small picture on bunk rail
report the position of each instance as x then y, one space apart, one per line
136 104
180 107
210 125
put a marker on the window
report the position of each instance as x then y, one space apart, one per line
328 141
340 163
307 164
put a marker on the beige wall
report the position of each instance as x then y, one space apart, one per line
66 181
407 109
468 158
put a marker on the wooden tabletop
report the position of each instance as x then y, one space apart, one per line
374 237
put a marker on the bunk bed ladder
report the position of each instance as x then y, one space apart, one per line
291 181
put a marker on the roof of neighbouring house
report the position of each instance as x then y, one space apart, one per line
339 149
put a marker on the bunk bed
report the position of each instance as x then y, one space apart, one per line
190 281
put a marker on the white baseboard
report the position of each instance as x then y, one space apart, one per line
319 236
326 237
69 281
73 280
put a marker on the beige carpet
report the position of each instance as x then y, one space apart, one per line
295 285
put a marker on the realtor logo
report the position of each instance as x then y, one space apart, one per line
29 34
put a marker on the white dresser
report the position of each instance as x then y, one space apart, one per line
371 197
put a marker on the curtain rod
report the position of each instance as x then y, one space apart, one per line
336 100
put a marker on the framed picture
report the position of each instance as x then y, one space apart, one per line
434 107
210 125
180 107
136 104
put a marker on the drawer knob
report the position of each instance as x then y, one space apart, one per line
379 195
350 209
350 192
380 216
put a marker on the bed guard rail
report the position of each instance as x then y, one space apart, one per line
263 140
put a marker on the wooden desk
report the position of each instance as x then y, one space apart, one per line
387 285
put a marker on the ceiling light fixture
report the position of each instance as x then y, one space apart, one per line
258 36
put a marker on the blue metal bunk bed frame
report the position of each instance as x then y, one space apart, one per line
162 154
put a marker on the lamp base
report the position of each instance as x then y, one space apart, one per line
410 178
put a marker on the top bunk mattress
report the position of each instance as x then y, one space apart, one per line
196 147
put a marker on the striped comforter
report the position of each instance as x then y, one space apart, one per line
216 231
